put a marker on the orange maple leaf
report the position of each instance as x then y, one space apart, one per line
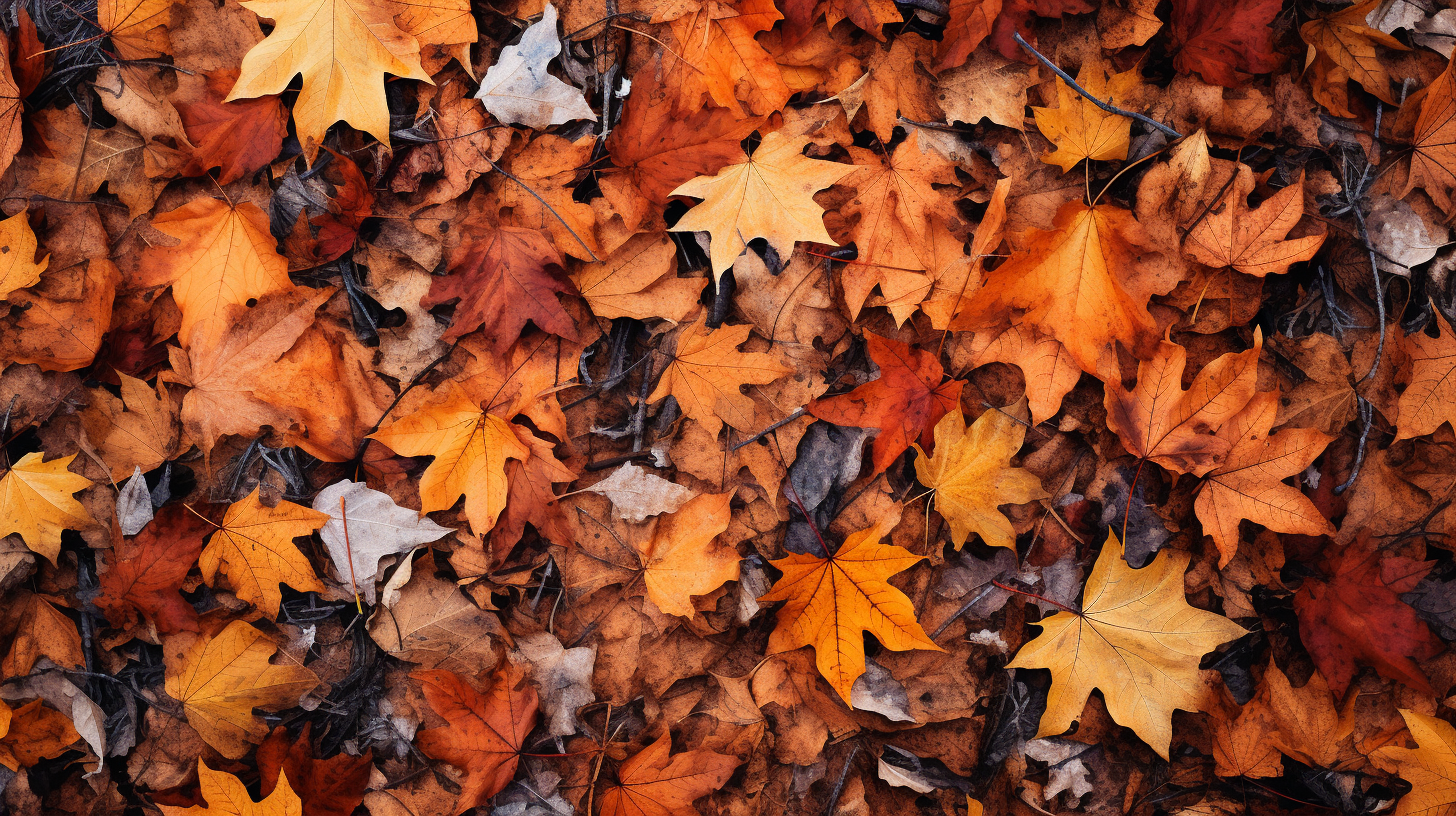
485 732
1082 130
1252 240
903 403
652 783
715 56
1433 144
1430 397
254 547
833 601
707 370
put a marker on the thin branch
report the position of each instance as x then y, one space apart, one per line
798 412
1110 108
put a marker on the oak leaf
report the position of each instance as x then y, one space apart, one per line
654 782
326 787
226 795
1136 639
366 525
706 371
769 196
1430 767
1433 142
904 403
1429 398
1356 615
470 447
342 48
1252 241
18 267
1083 282
254 547
36 502
144 574
219 680
503 277
1342 47
833 601
684 557
1249 482
486 731
972 475
1158 421
1080 129
226 257
517 89
1224 41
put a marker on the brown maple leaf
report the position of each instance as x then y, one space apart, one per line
486 731
653 783
144 574
1252 241
1433 144
327 787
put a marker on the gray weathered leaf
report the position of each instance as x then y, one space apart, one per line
637 494
562 676
377 527
517 90
134 504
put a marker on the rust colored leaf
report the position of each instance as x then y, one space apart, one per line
486 732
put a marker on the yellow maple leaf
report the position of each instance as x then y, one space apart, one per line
1430 397
1136 639
35 501
227 257
707 370
219 680
680 560
1430 767
342 48
1081 130
972 476
769 196
833 601
254 547
470 447
18 267
226 795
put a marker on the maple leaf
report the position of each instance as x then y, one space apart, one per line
972 476
41 631
79 159
1249 484
833 601
681 559
1083 282
543 194
517 89
707 370
1157 420
1047 367
144 574
1081 130
254 547
18 267
1136 639
870 16
64 332
652 782
145 435
1224 41
903 403
1252 240
364 526
238 138
470 447
1433 142
717 57
12 110
532 498
226 258
486 731
36 502
896 83
226 795
1430 767
326 787
31 733
638 281
1356 614
342 48
769 196
971 21
1342 48
503 277
219 680
1427 401
137 28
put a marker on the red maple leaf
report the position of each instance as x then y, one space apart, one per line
328 787
904 403
145 572
1224 41
1357 615
503 277
239 137
485 731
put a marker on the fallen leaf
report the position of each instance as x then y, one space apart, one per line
639 281
18 267
562 677
1433 142
972 476
36 502
33 733
1079 128
652 782
769 196
706 371
1430 767
144 575
1427 401
432 623
681 559
238 138
219 680
1343 48
1159 421
717 56
225 795
971 22
61 333
146 434
637 494
904 403
833 601
518 90
326 787
137 28
1136 639
43 631
486 733
1224 41
134 504
1252 241
1047 367
253 547
364 526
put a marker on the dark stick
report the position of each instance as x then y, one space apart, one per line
798 412
1147 120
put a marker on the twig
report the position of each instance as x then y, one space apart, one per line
1364 408
798 412
843 778
554 214
965 607
1110 108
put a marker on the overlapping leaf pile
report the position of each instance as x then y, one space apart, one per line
824 406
